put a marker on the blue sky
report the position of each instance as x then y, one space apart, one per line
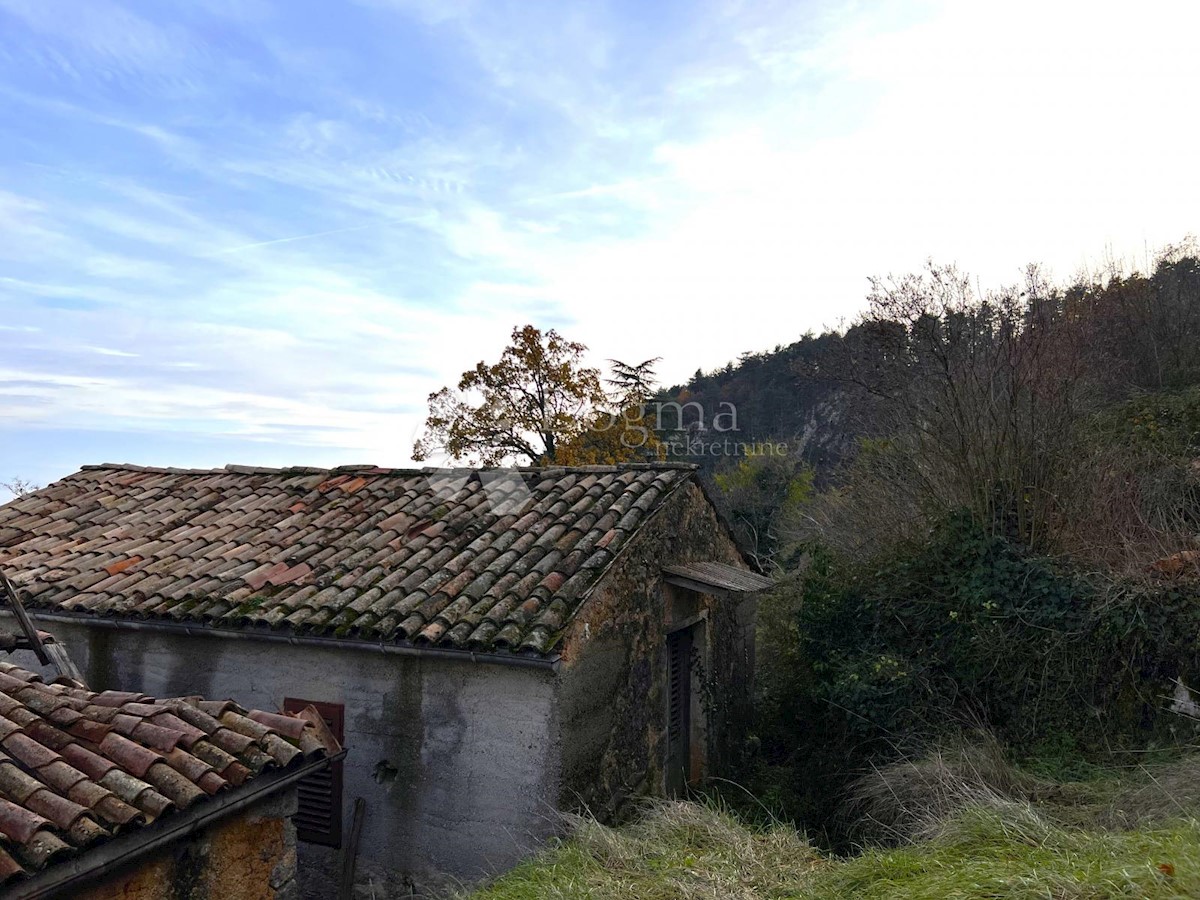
262 231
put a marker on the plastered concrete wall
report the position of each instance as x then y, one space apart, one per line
251 856
457 761
613 672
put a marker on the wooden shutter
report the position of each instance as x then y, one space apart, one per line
679 703
319 818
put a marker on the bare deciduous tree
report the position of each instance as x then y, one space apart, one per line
978 397
19 487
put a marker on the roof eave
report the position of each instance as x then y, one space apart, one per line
100 860
194 629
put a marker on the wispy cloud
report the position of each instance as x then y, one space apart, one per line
229 226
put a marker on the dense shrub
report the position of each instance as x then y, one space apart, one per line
965 630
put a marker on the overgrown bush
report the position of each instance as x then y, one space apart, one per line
1018 474
1142 467
966 630
1063 418
761 495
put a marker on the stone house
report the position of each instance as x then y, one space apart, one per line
119 796
496 645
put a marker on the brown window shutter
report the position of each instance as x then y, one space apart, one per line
319 817
679 703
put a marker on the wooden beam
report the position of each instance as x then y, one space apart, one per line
22 617
350 851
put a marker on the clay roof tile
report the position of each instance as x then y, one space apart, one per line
358 551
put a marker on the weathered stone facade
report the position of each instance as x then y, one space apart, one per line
613 671
249 856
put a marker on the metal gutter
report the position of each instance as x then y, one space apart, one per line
99 860
329 643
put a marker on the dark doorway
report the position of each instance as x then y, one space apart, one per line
679 710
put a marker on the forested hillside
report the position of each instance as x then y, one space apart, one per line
988 518
941 397
1133 332
780 395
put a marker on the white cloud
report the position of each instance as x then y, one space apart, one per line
305 273
993 136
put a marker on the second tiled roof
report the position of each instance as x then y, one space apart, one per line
495 559
78 767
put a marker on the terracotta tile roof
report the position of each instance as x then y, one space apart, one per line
488 559
10 640
78 768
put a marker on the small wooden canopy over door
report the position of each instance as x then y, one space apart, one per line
716 578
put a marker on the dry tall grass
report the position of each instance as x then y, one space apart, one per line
673 850
960 823
912 799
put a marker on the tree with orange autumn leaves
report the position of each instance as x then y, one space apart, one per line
541 403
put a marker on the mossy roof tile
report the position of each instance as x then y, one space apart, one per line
123 760
375 553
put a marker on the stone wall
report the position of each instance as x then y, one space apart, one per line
613 672
249 856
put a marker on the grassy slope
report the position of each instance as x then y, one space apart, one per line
674 850
997 848
988 854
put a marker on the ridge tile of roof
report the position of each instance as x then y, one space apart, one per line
78 768
461 559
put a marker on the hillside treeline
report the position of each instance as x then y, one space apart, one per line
1059 415
989 519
